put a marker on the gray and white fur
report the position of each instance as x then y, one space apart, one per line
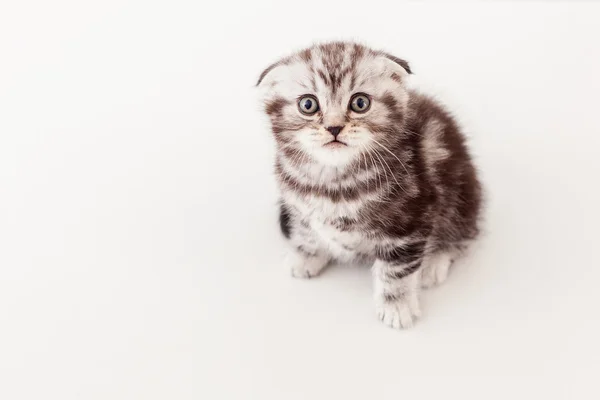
369 170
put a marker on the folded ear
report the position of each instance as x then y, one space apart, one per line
266 72
399 61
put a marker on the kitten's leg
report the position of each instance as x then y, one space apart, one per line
305 259
397 283
435 268
304 265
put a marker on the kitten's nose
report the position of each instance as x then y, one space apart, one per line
335 130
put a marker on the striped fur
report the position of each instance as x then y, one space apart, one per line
400 189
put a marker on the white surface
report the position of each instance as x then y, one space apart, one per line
140 255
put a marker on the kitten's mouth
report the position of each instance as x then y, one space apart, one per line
335 143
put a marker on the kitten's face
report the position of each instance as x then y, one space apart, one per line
334 102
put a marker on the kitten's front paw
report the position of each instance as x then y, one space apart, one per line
435 269
398 313
305 266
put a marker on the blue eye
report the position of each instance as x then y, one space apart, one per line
360 103
308 105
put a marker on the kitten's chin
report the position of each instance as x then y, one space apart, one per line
335 144
334 154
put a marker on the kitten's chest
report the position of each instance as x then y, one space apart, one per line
335 224
342 236
321 208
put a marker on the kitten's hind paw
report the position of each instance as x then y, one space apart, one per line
435 269
303 265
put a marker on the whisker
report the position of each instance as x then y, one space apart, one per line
391 171
395 156
385 171
377 171
364 147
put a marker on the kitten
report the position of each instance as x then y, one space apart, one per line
369 170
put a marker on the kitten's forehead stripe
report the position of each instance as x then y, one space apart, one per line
313 82
352 81
306 55
323 77
357 53
336 60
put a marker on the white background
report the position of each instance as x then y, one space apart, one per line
140 256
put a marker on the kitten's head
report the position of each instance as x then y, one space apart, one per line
335 101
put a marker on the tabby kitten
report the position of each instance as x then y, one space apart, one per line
368 170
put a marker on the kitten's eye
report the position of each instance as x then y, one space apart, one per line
308 105
360 103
